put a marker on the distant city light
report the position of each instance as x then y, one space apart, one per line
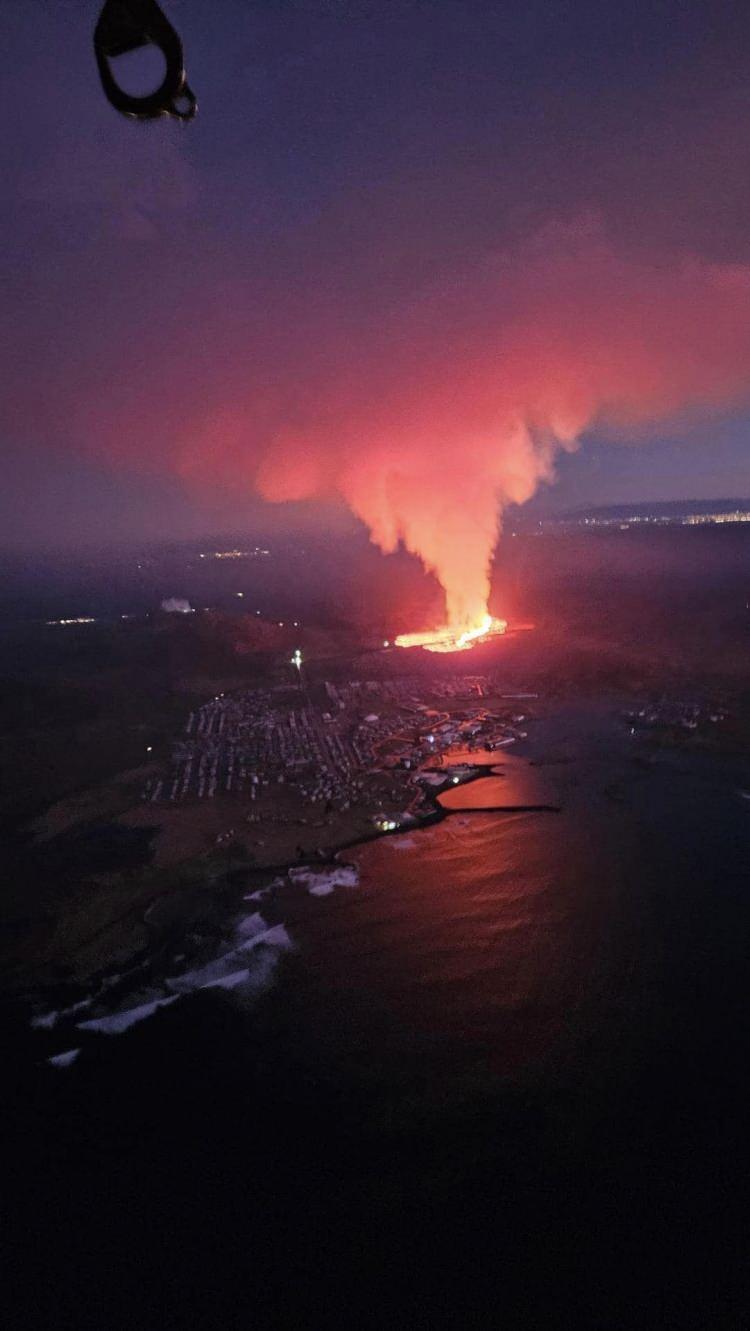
718 518
149 748
256 553
697 519
297 659
240 594
79 619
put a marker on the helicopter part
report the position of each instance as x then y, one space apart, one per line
127 25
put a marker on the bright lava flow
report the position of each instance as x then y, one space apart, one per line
449 640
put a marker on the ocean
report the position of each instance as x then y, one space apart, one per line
499 1078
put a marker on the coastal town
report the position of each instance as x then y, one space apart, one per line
338 746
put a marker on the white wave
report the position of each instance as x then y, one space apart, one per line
256 977
117 1022
48 1020
276 937
232 969
251 925
222 969
65 1060
203 976
263 892
232 981
45 1022
321 882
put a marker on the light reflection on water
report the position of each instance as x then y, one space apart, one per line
518 1047
478 932
512 781
507 938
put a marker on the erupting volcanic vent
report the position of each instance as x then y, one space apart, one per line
447 640
457 407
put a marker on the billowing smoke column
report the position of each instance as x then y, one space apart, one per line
433 416
459 406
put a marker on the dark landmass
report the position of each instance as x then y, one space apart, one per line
89 714
457 1107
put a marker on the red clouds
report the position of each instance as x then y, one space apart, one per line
457 405
430 417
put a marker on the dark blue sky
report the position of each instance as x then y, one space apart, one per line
163 283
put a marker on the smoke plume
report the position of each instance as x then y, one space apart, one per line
458 405
431 416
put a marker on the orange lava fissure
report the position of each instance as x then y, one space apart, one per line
447 639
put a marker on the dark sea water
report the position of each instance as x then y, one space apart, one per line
502 1082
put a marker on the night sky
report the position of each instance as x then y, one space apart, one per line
174 296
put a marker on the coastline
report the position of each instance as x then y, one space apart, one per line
196 934
130 967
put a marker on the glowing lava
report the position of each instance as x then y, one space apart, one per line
451 640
